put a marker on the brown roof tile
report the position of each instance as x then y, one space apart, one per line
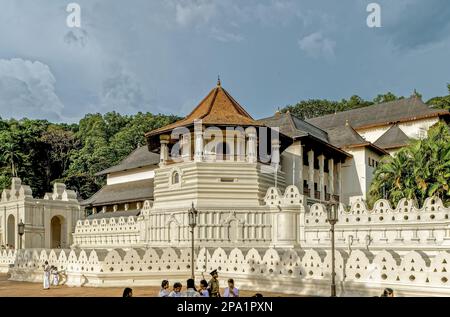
122 193
402 110
393 138
217 108
140 157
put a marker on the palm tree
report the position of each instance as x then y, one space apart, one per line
417 171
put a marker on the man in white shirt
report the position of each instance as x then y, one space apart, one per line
231 291
176 290
191 291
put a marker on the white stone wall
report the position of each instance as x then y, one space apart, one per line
301 271
410 128
405 227
132 175
118 232
18 203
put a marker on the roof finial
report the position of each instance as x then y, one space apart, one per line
218 81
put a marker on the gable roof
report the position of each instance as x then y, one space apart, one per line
217 108
140 157
393 138
402 110
345 137
294 127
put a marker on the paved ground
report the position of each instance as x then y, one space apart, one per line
25 289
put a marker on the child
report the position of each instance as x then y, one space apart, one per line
164 291
55 275
204 288
176 290
231 291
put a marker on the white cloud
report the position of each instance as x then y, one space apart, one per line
27 89
194 12
122 92
224 36
316 45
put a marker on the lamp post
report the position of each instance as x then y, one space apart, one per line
192 213
332 218
21 231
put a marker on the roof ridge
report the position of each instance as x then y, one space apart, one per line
216 92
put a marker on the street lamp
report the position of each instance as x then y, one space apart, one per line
192 213
332 217
21 231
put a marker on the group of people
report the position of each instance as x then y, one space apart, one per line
51 275
206 289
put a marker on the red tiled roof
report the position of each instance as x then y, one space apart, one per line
217 108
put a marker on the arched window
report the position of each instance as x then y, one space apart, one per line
175 178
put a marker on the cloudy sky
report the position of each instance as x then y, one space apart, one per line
164 56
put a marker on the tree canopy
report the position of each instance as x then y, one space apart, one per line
417 171
41 153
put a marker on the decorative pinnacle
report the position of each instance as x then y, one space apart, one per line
218 81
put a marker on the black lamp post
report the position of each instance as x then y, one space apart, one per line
332 217
192 213
21 231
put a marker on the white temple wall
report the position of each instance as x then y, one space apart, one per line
132 175
301 271
413 129
222 184
405 248
18 203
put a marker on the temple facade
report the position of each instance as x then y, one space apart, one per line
261 189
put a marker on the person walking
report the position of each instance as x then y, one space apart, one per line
213 284
191 290
231 290
204 288
47 269
164 291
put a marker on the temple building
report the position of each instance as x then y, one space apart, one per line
262 192
219 152
128 185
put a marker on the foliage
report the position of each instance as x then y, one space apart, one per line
441 102
416 171
41 153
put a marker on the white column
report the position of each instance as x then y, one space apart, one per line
186 147
322 177
339 180
240 151
164 153
275 153
198 132
311 173
300 169
331 176
252 156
